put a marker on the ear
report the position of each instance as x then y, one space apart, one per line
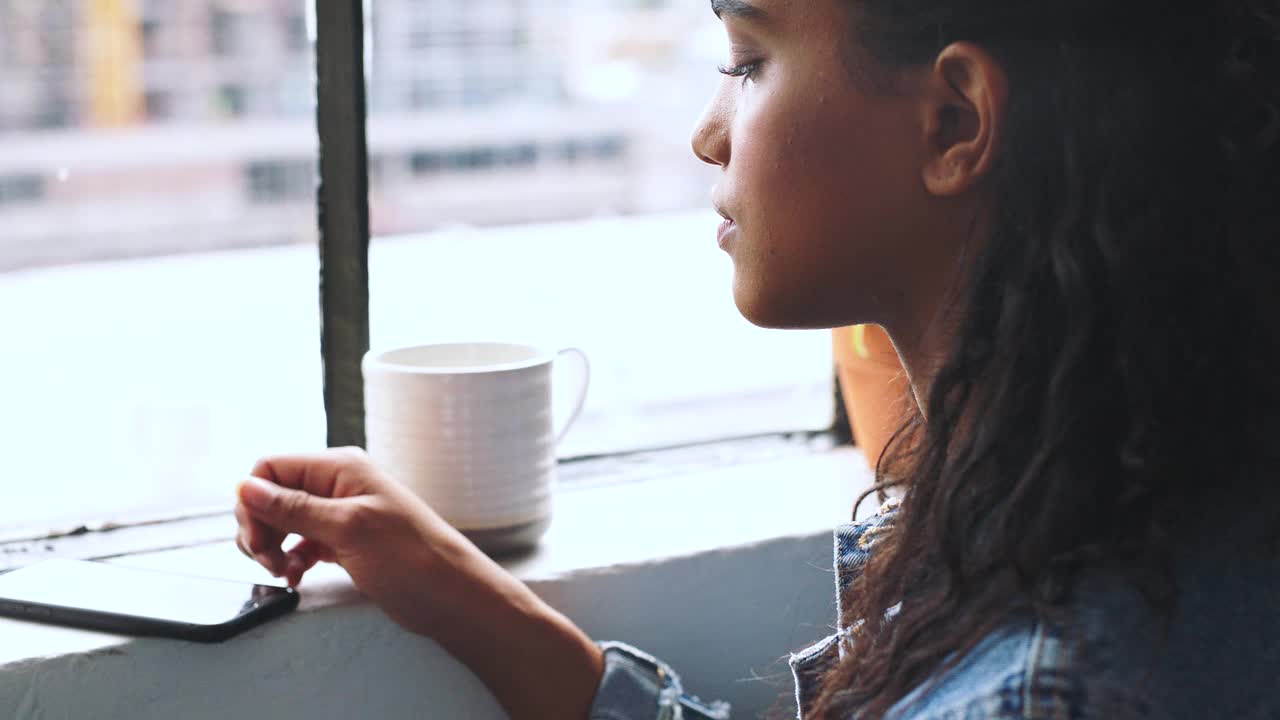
965 102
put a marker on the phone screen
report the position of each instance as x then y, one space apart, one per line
116 590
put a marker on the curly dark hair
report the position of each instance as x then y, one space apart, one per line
1117 352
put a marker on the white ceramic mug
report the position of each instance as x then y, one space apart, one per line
469 428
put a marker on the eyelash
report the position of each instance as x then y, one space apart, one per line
746 71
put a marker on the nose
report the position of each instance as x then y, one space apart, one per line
711 134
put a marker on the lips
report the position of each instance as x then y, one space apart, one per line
726 228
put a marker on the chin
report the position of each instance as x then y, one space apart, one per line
791 311
773 313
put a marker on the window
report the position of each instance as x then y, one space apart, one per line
280 181
158 264
295 32
522 155
609 148
56 110
21 189
531 180
233 100
150 30
570 151
476 158
223 30
426 162
58 43
158 104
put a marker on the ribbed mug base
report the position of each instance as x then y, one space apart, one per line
509 540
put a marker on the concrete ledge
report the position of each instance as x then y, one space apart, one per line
720 573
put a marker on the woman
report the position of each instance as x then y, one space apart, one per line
1065 215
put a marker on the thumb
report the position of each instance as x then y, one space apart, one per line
292 511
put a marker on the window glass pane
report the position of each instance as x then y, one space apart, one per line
158 262
534 181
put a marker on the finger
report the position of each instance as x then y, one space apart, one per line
287 511
262 559
242 530
326 473
242 545
303 557
259 537
315 551
259 541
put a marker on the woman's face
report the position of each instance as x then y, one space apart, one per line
828 220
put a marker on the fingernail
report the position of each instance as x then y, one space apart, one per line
255 493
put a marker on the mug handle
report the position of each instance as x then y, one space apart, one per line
582 391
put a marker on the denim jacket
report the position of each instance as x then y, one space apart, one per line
1112 658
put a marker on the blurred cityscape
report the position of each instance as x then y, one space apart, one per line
146 373
151 127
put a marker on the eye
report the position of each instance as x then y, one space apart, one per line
746 71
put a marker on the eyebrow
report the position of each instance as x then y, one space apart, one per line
736 8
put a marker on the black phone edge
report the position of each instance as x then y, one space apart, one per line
281 603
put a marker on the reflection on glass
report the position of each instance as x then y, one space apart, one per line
157 263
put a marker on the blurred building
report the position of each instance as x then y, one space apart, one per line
117 63
138 127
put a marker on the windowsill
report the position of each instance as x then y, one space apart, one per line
720 572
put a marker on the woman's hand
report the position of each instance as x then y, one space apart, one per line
422 572
398 551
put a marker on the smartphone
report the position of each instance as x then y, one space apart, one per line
130 601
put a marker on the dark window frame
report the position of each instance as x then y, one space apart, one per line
342 198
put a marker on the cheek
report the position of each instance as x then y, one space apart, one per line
777 176
779 160
823 189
